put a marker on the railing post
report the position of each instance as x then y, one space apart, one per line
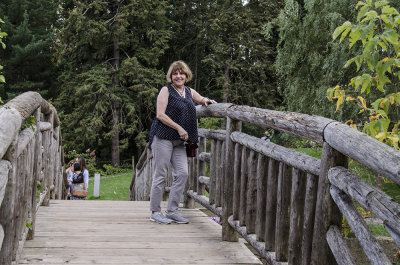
7 209
228 233
326 212
47 143
201 167
36 172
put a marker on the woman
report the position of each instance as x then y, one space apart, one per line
81 161
175 123
85 172
77 178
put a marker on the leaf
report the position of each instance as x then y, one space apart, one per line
381 3
350 99
339 102
349 62
354 37
362 12
391 36
329 93
340 29
374 117
382 124
394 140
389 10
366 85
362 101
370 15
344 34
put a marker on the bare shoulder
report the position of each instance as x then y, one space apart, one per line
164 91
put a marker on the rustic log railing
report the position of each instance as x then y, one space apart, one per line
30 152
286 204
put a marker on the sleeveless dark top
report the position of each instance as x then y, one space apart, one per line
180 110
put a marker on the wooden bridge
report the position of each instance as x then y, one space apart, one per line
288 206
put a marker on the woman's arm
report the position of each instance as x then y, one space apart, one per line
199 99
162 102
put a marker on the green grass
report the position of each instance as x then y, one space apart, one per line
378 230
115 188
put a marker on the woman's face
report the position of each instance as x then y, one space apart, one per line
178 78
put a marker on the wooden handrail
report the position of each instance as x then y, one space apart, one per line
27 156
286 204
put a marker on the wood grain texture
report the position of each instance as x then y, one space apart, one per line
339 247
212 134
376 155
112 232
367 241
376 201
302 125
290 157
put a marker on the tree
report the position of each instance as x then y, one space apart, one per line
109 54
240 59
28 57
377 31
308 60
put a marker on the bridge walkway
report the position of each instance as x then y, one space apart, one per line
119 232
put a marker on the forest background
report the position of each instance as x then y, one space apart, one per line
102 62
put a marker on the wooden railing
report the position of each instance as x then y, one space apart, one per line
31 155
286 204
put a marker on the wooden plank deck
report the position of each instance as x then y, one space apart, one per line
119 232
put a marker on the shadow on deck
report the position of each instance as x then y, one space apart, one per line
119 232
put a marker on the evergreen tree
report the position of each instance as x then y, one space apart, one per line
109 53
28 57
240 58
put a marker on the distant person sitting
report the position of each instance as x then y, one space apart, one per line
266 136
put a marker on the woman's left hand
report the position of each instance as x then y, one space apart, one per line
208 101
183 134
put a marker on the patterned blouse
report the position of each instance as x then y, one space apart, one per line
182 111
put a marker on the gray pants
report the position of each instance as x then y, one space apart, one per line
164 153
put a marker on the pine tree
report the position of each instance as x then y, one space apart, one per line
240 57
109 53
28 57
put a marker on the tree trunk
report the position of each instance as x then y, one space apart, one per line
225 89
115 109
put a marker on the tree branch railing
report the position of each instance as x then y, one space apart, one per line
286 204
30 153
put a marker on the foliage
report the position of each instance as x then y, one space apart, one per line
308 60
28 57
211 123
240 58
109 55
377 32
110 170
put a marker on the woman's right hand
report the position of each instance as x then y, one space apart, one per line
183 134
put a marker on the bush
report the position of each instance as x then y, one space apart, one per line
110 170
